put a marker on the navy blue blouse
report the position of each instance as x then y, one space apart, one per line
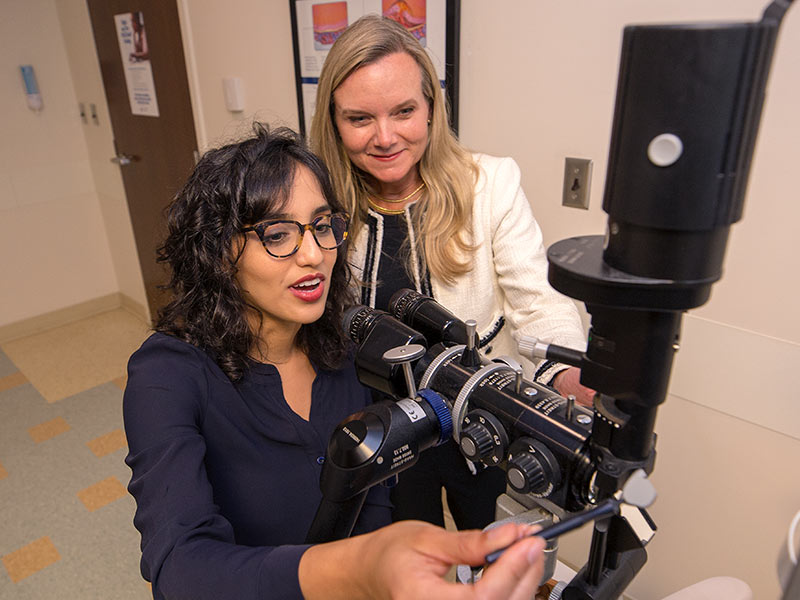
226 476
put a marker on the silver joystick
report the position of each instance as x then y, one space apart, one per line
472 328
471 357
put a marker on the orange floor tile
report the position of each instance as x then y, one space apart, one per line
31 558
13 380
48 429
106 444
102 493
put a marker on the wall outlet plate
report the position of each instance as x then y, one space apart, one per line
577 182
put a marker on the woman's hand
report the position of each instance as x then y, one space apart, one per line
568 382
409 559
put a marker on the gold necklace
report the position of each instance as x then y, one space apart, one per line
385 211
399 200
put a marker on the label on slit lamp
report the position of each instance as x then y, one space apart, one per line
412 409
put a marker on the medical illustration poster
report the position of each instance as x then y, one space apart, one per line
329 20
135 55
316 24
410 14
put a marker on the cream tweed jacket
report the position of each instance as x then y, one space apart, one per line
506 291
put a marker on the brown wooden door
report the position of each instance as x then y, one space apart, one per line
161 148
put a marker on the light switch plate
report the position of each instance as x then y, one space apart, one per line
234 93
577 182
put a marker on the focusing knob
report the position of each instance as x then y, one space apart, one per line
483 438
355 320
525 474
402 302
476 442
532 468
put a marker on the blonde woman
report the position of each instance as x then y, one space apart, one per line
429 215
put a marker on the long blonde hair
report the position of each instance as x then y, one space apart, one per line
446 167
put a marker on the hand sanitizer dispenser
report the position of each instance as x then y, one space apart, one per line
32 94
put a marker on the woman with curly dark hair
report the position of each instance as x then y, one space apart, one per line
230 404
234 186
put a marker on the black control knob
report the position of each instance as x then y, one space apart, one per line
476 441
525 474
532 468
483 438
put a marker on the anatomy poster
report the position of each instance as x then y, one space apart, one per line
318 23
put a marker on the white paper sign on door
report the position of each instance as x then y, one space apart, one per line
136 63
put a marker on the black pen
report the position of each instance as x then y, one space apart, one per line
637 491
604 509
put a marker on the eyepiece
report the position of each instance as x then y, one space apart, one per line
428 317
356 322
404 302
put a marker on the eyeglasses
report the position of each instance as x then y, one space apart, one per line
283 238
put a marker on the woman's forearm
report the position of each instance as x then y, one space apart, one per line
409 559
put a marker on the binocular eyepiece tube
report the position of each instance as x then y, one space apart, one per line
524 428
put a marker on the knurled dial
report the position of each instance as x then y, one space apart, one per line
525 473
477 442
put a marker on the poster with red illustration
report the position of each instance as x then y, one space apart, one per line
317 24
330 20
410 14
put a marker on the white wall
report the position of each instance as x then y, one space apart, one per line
52 237
249 39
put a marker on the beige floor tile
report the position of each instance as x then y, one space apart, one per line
108 443
48 429
75 357
102 493
11 381
30 559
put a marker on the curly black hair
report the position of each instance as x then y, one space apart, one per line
230 188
